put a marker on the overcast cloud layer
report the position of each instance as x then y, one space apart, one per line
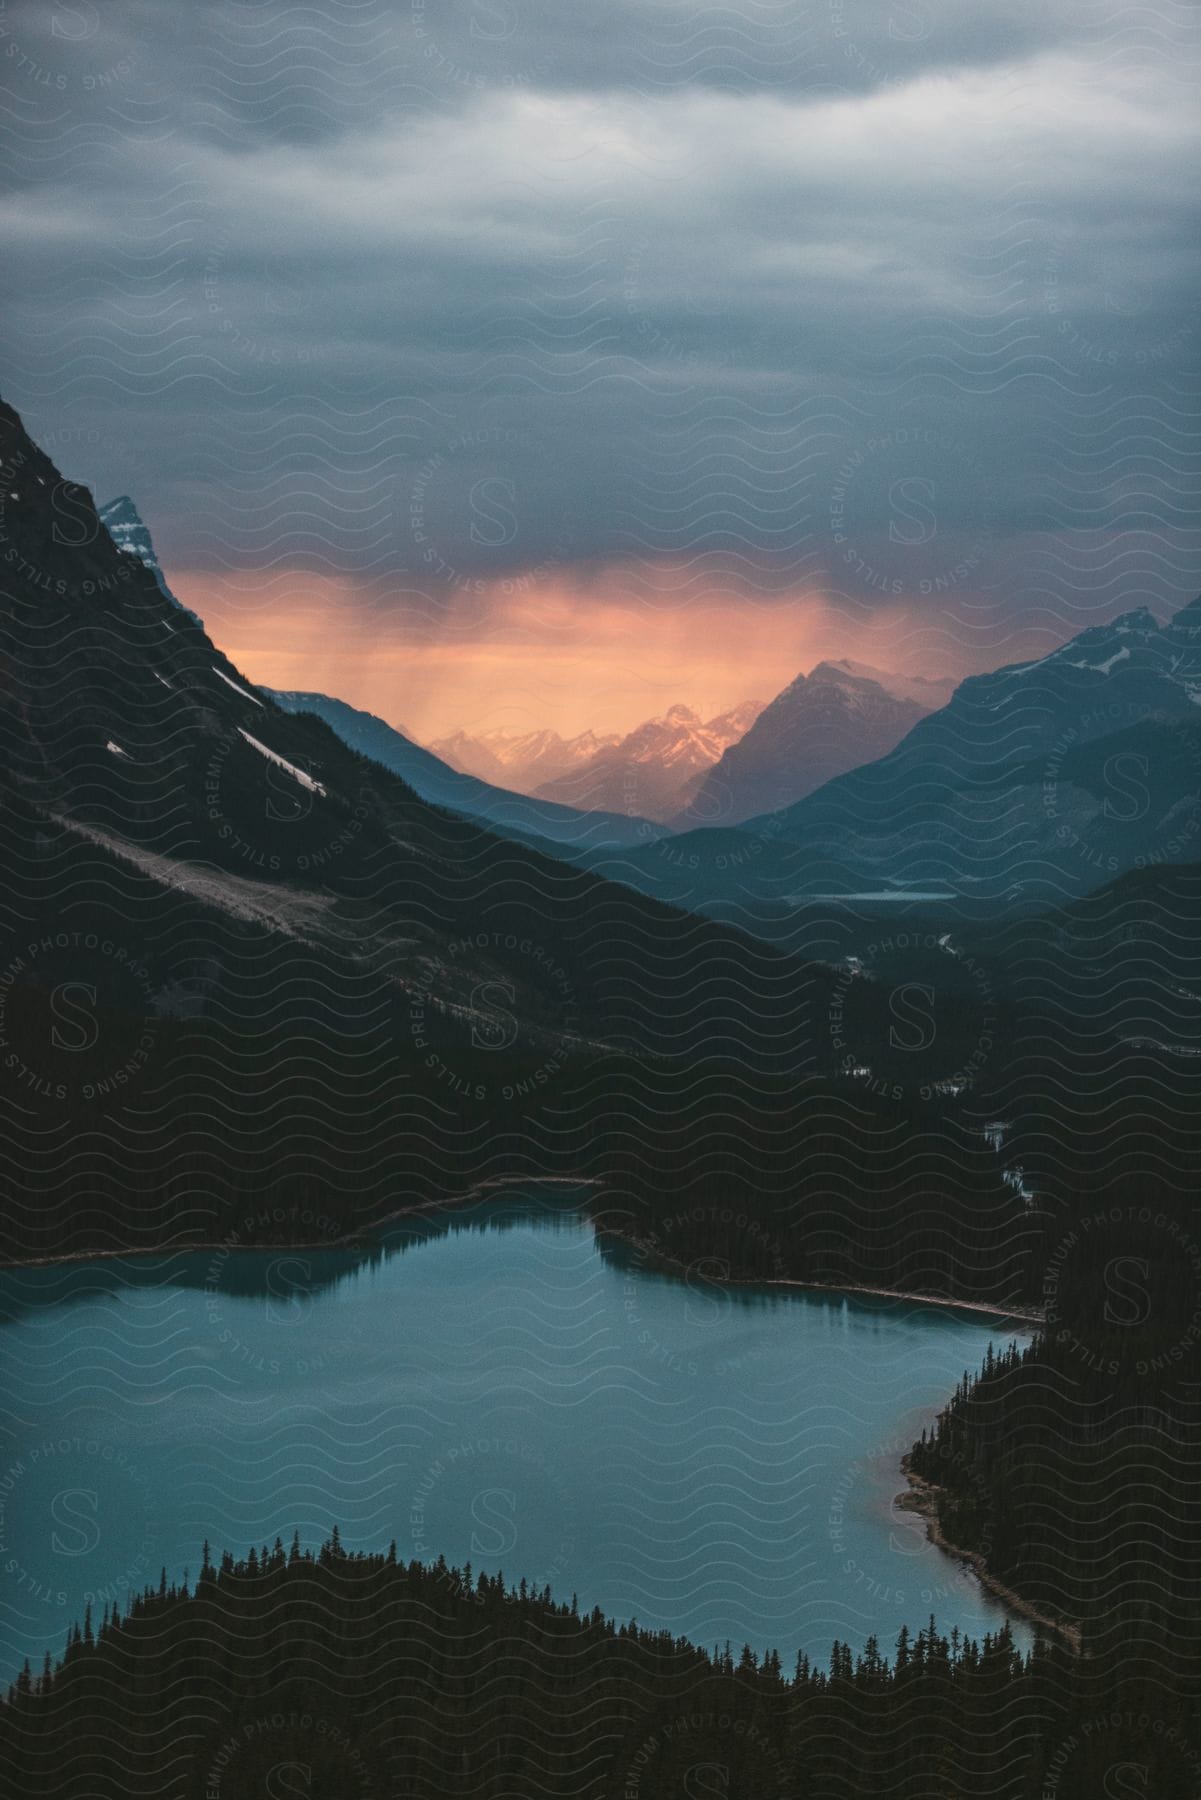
488 324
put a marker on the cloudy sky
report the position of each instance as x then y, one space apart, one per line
524 362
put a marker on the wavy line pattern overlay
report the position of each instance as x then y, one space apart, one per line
683 1279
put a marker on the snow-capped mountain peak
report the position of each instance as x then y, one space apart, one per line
130 533
125 525
519 760
651 769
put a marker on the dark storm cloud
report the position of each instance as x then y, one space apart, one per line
429 294
265 67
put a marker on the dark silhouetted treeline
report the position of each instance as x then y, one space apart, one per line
1074 1465
352 1675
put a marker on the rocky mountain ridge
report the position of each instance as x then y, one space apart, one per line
838 716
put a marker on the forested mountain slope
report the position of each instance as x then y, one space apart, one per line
244 964
361 1676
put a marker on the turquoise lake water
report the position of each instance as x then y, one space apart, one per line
494 1389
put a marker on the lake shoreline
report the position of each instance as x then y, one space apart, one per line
670 1265
922 1499
495 1185
349 1240
1017 1314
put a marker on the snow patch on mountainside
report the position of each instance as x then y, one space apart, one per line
1103 668
237 690
306 781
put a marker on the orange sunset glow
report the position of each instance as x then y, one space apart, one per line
554 655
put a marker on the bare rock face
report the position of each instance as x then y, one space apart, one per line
841 715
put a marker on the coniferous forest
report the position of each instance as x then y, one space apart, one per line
1066 1469
361 1675
600 900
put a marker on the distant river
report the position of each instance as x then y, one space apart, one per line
720 1462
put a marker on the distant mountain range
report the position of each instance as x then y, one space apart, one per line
838 716
390 746
649 772
1047 776
250 970
653 769
1034 784
685 771
432 778
249 966
520 761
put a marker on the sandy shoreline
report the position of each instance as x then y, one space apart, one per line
1019 1314
671 1265
922 1499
